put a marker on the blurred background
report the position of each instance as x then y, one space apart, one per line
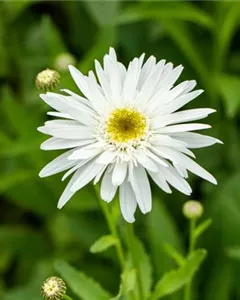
204 36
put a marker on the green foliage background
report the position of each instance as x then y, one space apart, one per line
205 38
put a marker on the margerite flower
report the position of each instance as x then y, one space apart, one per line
125 130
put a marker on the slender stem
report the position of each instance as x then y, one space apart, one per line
66 297
132 250
187 292
113 229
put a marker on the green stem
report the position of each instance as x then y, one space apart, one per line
132 249
66 297
187 292
113 229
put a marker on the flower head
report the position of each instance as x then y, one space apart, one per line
54 288
47 80
192 209
63 60
125 129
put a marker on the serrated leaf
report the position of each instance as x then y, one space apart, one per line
201 228
83 286
174 280
103 243
128 282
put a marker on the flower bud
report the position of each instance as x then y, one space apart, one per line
192 209
63 60
54 288
47 80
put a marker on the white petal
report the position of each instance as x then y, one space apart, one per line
103 80
75 168
59 164
57 143
67 193
99 175
119 173
59 115
69 106
149 85
128 203
156 158
181 170
196 140
86 152
146 161
165 140
86 174
180 101
146 71
141 188
108 190
183 116
78 98
196 169
131 80
183 128
70 132
80 80
173 177
169 76
160 180
106 157
97 99
56 101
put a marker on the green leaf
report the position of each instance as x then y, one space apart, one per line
11 179
82 285
227 15
201 228
175 280
103 243
173 253
228 86
166 10
128 282
103 12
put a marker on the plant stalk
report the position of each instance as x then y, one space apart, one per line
187 292
132 249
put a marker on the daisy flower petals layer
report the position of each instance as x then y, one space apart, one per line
124 129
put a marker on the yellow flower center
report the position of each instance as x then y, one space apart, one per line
126 124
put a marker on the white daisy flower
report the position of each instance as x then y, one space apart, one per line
126 129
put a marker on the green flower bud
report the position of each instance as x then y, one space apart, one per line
54 288
47 80
63 60
192 209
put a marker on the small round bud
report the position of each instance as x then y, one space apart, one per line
47 80
63 60
192 209
54 288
